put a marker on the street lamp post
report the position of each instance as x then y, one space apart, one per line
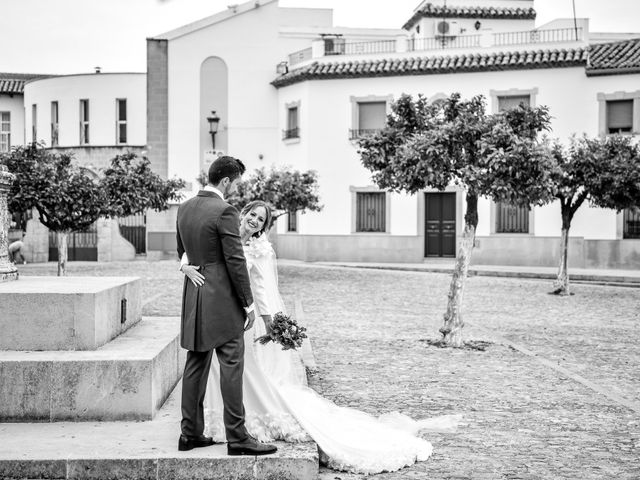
8 270
214 122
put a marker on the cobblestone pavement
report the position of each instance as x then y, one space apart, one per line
522 419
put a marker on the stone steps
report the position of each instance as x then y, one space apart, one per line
138 451
129 378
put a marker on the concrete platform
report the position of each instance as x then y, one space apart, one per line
127 379
67 313
138 451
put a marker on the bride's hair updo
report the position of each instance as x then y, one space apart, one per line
267 218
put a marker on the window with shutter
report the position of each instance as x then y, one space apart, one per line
121 120
508 102
512 218
619 116
370 212
54 124
5 131
631 223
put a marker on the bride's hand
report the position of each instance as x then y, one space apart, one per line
267 323
191 271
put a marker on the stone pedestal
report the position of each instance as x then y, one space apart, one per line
8 270
129 378
67 313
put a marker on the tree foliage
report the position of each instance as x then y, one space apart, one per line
132 187
70 198
454 142
286 190
66 196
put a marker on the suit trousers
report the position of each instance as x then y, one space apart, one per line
194 387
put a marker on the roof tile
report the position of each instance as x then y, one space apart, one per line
430 10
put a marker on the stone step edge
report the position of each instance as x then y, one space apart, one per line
301 466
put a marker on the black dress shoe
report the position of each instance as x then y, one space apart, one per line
189 443
250 446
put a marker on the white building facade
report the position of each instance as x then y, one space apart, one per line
93 117
335 84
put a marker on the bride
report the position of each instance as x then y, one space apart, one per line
278 403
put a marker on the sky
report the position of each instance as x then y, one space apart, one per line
74 36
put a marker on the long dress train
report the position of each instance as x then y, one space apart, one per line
280 406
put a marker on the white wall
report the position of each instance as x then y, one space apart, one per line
326 118
101 90
14 105
250 46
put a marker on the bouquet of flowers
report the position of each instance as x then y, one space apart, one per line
285 331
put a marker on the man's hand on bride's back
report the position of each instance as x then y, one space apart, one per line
191 271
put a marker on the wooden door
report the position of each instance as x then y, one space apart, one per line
440 225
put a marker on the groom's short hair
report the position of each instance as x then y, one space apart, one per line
225 166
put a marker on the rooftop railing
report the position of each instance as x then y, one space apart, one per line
501 39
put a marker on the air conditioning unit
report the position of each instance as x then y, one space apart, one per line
334 46
446 28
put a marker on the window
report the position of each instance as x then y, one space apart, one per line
84 122
509 102
292 222
370 212
54 124
5 131
619 116
121 120
369 115
511 218
292 130
631 219
34 123
619 112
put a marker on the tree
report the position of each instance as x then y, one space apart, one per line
454 142
286 190
602 171
132 187
71 198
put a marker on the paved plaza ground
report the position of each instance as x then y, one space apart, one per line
556 393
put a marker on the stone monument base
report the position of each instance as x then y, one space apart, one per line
67 313
127 379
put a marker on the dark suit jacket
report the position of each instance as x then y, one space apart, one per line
213 314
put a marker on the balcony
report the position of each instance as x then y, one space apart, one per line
356 134
331 47
291 133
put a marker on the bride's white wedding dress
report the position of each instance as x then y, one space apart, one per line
280 406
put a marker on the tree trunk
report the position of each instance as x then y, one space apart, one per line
452 328
561 285
62 252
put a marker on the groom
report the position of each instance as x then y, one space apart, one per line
215 305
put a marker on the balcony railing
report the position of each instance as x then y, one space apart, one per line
501 39
538 36
291 133
364 48
355 134
433 43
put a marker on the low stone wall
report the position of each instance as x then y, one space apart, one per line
490 250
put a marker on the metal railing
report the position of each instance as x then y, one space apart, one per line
291 133
355 134
364 48
300 56
439 43
537 36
